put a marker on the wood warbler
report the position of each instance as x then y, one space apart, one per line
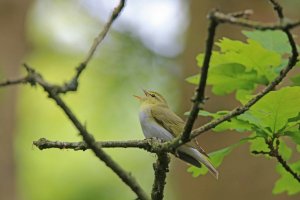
159 121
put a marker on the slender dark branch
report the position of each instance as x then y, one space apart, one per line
200 91
261 152
277 7
275 153
72 85
227 18
14 82
151 145
126 177
161 168
102 35
285 165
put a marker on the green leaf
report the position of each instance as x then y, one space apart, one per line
252 55
256 124
239 66
287 183
274 110
229 77
295 135
232 124
258 144
284 150
206 113
218 156
243 95
272 40
195 171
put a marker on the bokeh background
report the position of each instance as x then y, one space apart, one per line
152 45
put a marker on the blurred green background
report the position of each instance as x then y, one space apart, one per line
152 45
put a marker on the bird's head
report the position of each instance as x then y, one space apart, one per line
152 98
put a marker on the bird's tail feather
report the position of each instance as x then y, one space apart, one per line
194 157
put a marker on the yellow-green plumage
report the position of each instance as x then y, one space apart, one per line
158 120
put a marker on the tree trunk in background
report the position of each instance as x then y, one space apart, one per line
241 176
12 50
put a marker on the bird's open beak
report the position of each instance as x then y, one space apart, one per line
138 97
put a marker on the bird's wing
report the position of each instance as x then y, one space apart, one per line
173 124
168 120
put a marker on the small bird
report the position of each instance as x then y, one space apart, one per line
159 121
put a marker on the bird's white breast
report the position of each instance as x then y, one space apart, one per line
151 128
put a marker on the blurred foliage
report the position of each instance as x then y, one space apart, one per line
122 67
241 67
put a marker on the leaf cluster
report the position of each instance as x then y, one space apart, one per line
240 68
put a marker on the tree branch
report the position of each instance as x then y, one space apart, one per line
200 91
199 96
227 18
72 85
87 137
261 152
161 167
274 152
151 144
242 14
13 82
277 7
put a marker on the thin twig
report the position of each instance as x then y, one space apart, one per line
278 9
72 85
275 154
126 177
261 152
285 165
13 82
200 91
161 168
227 18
